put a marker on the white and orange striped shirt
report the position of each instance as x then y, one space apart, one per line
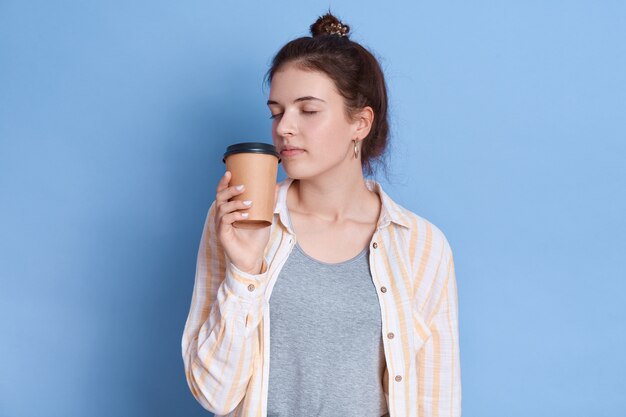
225 343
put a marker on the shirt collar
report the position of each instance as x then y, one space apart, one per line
390 210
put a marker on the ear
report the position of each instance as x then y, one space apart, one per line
364 120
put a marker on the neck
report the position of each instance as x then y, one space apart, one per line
333 201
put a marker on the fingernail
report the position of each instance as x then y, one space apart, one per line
247 202
239 187
244 215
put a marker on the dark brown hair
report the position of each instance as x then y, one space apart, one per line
355 71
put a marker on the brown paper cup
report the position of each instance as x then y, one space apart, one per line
255 165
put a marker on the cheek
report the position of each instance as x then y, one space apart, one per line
323 128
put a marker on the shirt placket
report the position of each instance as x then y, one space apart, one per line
387 309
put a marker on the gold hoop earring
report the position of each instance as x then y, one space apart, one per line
356 150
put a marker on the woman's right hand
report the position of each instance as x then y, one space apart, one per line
244 247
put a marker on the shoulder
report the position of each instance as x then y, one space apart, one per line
420 230
429 255
425 233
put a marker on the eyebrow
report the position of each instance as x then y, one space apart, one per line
305 98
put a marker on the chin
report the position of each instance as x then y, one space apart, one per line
297 174
309 170
302 174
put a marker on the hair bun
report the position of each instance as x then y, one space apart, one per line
329 25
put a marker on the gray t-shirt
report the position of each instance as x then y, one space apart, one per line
326 349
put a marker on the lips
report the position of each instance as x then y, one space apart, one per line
290 151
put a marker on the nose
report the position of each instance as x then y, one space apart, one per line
286 125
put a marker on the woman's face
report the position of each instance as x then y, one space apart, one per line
308 114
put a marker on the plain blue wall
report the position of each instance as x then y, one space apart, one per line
509 134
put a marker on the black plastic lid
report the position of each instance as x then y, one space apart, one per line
251 147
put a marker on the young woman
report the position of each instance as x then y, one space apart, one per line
347 304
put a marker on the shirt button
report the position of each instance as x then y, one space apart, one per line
398 378
383 289
390 335
375 245
251 287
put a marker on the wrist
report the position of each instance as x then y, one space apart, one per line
254 270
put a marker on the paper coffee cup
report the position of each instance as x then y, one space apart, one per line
255 165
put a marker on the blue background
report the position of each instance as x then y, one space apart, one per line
508 132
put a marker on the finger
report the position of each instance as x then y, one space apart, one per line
223 183
227 193
234 205
230 218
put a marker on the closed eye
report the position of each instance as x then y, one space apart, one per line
273 116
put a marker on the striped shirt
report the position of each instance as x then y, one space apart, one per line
225 342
